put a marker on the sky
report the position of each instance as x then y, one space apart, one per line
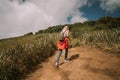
18 17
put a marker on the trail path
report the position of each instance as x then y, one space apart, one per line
84 63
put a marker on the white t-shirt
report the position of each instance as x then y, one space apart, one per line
64 32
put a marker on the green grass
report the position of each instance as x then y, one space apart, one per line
108 40
19 55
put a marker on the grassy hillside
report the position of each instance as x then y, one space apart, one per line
19 55
103 33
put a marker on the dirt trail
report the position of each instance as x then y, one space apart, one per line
84 63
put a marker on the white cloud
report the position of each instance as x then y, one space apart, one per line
17 19
77 18
110 5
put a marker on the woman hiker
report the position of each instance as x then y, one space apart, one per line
63 44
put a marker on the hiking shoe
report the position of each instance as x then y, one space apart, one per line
65 61
56 64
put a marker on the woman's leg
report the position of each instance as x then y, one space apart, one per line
59 54
66 53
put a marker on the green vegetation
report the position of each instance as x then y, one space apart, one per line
108 40
103 33
19 55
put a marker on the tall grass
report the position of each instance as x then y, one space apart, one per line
20 55
104 39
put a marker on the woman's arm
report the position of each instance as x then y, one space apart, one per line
67 33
